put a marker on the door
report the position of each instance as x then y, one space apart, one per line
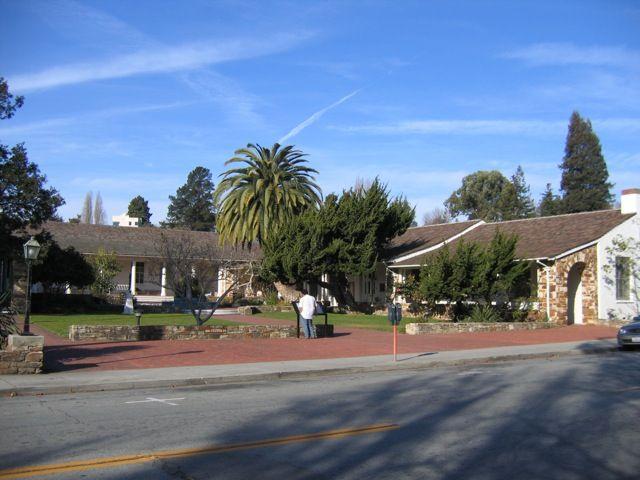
574 290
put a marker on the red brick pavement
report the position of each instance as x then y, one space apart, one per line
61 354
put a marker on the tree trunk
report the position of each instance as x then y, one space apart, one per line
337 287
289 293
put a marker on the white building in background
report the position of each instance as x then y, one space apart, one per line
125 220
143 272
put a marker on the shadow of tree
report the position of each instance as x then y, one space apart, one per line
571 418
544 421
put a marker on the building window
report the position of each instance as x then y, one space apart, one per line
623 277
139 272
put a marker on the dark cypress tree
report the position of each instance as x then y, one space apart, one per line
139 207
584 183
550 203
192 207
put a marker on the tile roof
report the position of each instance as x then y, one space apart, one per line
544 237
134 242
419 238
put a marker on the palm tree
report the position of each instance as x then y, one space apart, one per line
256 198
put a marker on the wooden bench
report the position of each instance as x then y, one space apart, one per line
322 330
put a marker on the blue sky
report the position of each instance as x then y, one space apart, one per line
125 98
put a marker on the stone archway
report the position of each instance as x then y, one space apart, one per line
575 310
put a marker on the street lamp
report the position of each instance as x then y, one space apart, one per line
31 251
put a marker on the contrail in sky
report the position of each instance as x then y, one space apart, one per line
313 118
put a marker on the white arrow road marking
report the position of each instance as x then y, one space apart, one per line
167 401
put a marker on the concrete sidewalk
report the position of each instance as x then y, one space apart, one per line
94 381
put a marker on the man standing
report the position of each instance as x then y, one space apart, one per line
307 305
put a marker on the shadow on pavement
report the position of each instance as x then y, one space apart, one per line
542 422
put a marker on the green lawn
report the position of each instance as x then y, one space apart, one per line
372 322
59 324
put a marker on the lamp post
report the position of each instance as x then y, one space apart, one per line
31 251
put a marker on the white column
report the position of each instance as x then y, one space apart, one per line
163 282
222 281
133 277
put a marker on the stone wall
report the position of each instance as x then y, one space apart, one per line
24 354
559 287
253 309
448 327
123 333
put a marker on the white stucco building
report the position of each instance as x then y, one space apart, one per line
125 220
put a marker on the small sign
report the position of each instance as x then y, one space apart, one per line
128 304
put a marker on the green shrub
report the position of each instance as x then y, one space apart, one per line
271 297
483 314
247 301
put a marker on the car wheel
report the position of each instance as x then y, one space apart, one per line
624 348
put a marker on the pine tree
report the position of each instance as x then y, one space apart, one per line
99 215
192 207
584 183
524 208
550 203
87 209
139 208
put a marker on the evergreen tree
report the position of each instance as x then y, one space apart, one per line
57 267
473 272
192 207
585 186
345 237
550 203
524 207
25 200
139 208
8 103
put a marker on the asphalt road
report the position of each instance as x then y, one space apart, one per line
571 418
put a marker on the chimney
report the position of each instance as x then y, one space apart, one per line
630 201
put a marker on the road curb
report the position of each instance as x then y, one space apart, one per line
293 375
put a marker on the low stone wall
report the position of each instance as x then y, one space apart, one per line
447 327
253 309
616 323
24 354
124 333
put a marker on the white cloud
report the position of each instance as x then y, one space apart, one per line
146 182
460 127
156 60
486 127
225 92
53 124
569 54
315 117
